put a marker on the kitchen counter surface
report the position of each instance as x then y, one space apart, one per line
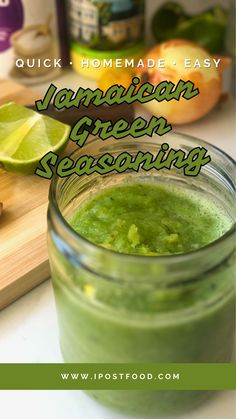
28 328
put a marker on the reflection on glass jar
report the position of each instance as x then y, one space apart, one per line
122 308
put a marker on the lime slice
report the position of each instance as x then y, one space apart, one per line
26 136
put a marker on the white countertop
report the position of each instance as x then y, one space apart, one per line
28 328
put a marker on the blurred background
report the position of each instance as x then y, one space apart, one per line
70 29
43 41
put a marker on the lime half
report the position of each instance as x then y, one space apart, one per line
26 136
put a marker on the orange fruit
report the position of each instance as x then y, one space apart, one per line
114 76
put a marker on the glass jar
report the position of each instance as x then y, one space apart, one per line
117 308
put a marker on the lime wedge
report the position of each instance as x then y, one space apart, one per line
26 136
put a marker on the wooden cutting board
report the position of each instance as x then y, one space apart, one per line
23 248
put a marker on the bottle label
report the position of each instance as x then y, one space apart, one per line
11 20
106 25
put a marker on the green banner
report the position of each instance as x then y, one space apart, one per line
117 376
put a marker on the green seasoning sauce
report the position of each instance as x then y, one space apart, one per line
150 220
111 321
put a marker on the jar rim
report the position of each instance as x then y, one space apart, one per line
124 257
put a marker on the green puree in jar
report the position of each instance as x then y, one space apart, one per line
134 317
150 220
